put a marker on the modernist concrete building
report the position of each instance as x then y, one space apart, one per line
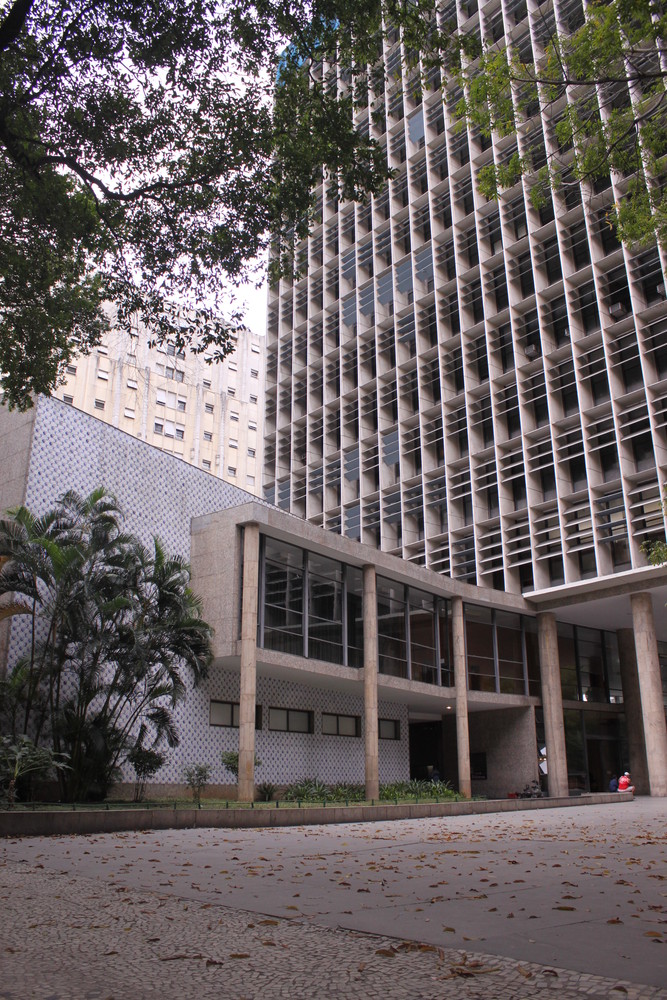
338 661
480 387
208 415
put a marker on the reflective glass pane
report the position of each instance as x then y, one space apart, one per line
325 609
510 652
479 648
591 665
329 724
422 637
278 719
392 646
283 597
568 665
355 618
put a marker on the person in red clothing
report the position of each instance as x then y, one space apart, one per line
624 784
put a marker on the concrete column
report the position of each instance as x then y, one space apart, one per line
552 704
650 692
632 707
371 750
246 785
461 686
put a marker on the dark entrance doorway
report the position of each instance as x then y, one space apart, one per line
603 761
425 749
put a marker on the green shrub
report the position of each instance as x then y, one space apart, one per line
266 791
417 789
307 790
197 777
146 763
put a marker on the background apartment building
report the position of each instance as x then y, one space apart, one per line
208 415
479 387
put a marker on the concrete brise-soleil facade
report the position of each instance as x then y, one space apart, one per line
207 414
336 661
479 387
476 386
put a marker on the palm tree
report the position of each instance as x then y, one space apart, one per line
115 632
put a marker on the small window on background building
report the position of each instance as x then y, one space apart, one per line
208 407
102 350
69 400
180 433
250 480
208 436
231 471
71 369
253 399
180 405
233 443
158 427
161 397
206 383
179 376
254 348
254 373
103 375
131 383
129 413
389 729
233 366
171 350
206 464
231 391
251 452
252 425
233 416
169 373
99 404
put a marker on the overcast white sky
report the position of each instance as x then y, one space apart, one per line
254 301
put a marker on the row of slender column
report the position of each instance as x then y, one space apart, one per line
642 689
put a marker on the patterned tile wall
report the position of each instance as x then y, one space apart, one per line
159 495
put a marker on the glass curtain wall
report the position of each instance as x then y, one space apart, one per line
589 665
502 651
392 630
423 651
310 605
283 579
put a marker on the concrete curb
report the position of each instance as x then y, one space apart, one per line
60 822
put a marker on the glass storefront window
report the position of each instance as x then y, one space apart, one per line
283 597
479 648
510 652
325 609
392 644
422 636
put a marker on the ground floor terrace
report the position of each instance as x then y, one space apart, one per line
339 662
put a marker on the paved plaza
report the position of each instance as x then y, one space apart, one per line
562 903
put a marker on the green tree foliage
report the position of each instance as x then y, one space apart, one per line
602 80
143 160
114 628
